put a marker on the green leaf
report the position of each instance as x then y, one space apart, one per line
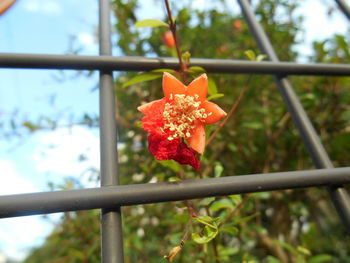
215 96
320 258
287 246
228 251
303 251
245 219
162 70
232 147
212 89
196 69
208 234
200 239
271 259
181 218
150 23
206 201
221 204
261 57
174 179
261 195
309 96
253 125
30 126
250 54
186 56
229 229
218 169
236 199
142 78
13 124
207 221
176 167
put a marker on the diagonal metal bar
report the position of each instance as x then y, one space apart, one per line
339 195
134 194
111 222
110 63
344 8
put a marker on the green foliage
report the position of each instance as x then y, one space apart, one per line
150 23
142 78
209 232
290 226
147 76
74 240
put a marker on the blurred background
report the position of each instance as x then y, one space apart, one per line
49 131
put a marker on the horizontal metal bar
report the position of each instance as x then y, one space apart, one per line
125 195
33 61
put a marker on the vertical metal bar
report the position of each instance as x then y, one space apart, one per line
111 225
339 195
344 8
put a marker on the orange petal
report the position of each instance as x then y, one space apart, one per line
172 85
216 112
145 107
199 86
197 139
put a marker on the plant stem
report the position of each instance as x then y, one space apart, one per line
233 212
232 110
214 243
172 25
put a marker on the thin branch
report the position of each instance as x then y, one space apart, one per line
229 115
214 243
237 208
172 25
232 110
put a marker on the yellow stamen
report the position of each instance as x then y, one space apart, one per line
180 114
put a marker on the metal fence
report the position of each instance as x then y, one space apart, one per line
111 196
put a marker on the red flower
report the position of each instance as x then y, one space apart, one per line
178 117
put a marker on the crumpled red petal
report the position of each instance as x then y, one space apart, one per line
153 120
163 149
186 155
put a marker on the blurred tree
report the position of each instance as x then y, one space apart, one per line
290 226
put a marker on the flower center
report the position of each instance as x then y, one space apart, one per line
180 114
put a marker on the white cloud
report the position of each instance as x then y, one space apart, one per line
58 152
12 182
15 235
49 7
88 41
318 25
18 235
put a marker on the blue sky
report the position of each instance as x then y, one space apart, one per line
48 27
45 27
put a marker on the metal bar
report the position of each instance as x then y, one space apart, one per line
344 8
126 195
319 155
111 220
34 61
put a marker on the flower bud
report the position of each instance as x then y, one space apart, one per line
168 39
237 25
173 252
